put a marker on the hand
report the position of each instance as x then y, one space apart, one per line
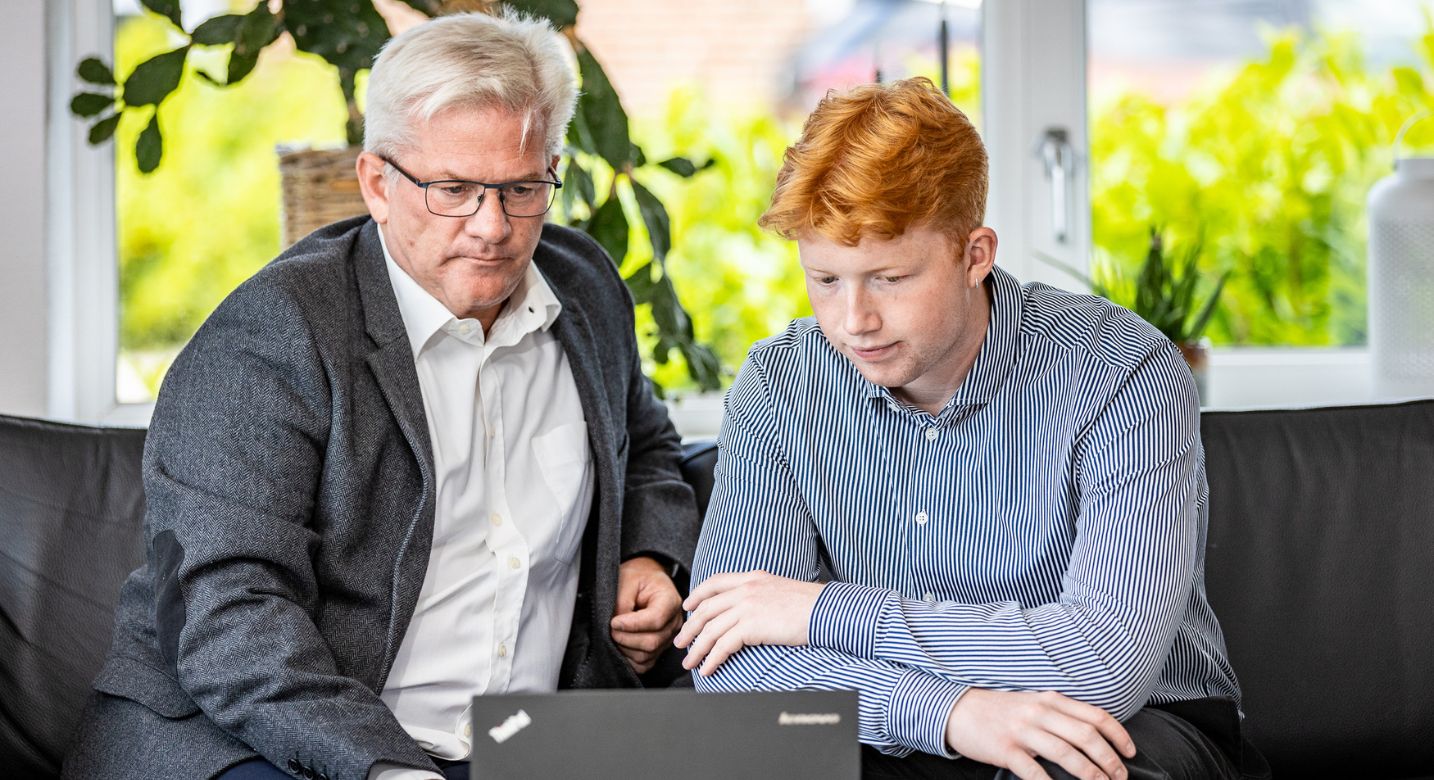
1012 729
732 611
648 611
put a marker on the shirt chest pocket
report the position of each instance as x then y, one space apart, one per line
565 463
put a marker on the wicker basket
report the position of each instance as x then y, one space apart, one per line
319 186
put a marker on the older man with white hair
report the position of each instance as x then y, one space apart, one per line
412 460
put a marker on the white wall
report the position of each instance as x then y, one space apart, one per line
23 294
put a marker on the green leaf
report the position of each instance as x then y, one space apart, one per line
219 30
603 114
169 9
94 71
654 216
150 147
672 321
1197 327
702 364
562 13
155 78
609 228
640 284
257 29
681 166
240 65
87 104
577 187
346 33
102 130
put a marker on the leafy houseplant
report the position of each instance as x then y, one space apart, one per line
348 34
1163 291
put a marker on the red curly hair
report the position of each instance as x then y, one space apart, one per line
878 159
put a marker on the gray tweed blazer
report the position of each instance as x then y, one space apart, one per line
289 479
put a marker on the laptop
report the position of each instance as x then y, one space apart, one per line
626 734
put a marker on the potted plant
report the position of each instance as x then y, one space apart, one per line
1163 291
348 34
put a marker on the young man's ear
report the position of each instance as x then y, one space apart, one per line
373 183
980 255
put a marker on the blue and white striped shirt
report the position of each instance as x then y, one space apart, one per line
1045 531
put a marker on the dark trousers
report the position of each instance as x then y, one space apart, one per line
259 769
1169 745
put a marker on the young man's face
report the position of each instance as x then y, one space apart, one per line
470 264
910 313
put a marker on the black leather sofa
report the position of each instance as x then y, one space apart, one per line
1320 565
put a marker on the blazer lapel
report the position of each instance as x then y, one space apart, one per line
391 362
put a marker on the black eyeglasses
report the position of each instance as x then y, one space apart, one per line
460 198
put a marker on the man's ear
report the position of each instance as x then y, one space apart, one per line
373 183
553 164
980 255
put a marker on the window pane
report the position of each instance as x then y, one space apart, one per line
208 217
730 82
1255 127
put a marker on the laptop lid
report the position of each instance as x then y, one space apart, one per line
624 734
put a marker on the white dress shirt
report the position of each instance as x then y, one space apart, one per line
514 488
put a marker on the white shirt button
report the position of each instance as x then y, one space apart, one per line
921 518
496 519
502 650
468 730
929 597
514 563
931 434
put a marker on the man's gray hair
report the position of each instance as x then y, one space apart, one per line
471 60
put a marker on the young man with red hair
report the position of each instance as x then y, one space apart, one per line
981 504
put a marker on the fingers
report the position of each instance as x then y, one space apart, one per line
1110 729
653 618
1026 767
710 608
713 632
1092 753
1056 749
717 583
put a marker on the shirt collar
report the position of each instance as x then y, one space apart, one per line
533 306
998 348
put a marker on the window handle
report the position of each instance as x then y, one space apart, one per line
1057 154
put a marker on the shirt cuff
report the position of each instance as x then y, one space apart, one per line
386 771
919 708
845 618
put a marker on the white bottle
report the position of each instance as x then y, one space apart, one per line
1401 277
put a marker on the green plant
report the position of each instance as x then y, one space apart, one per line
347 35
1163 291
1274 158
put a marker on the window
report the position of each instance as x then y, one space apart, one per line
1257 129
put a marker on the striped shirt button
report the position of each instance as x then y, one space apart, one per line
921 518
931 434
928 597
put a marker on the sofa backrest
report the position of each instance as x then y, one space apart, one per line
1320 567
71 514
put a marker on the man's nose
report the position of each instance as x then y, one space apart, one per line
861 314
489 223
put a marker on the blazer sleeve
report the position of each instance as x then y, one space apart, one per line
233 462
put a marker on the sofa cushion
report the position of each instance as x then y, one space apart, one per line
71 513
1320 567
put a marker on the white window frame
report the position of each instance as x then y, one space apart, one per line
1033 78
83 305
1033 64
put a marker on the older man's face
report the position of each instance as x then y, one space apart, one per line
470 264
